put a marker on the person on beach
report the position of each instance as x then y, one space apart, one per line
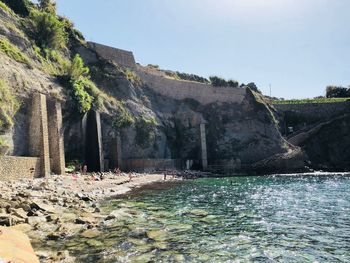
164 175
130 177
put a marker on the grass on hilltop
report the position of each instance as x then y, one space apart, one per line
307 101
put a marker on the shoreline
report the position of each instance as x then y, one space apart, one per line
64 206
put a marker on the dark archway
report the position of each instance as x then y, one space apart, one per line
93 145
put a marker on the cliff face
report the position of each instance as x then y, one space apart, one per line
152 123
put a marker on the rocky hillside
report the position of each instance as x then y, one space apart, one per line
42 52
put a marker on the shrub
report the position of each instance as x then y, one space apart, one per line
145 131
217 81
13 52
8 10
192 77
8 107
48 6
53 62
48 30
337 92
233 83
81 96
20 7
253 87
123 118
77 68
132 77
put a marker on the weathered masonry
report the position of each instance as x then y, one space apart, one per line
45 143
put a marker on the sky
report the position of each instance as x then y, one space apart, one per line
297 47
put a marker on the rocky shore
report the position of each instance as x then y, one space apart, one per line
60 207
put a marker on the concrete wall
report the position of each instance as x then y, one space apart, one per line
180 90
122 57
14 168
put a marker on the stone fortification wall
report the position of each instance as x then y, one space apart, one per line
180 90
315 110
15 168
121 57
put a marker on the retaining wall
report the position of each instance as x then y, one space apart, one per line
122 57
315 110
180 90
16 168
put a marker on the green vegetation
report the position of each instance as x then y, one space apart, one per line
48 6
123 118
20 7
306 101
48 30
337 92
8 107
7 9
52 61
220 82
13 52
132 77
145 131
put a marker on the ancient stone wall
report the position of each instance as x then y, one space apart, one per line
180 90
315 110
14 168
122 57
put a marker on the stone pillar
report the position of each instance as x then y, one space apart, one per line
39 134
100 143
119 152
57 161
203 146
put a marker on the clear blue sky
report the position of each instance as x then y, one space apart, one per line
297 46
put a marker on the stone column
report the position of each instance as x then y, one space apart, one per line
99 139
119 152
39 134
203 146
57 161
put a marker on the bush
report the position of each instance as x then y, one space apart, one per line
81 96
253 87
124 118
48 30
13 52
20 7
233 83
8 107
77 68
192 77
337 92
145 131
132 77
53 62
48 6
217 81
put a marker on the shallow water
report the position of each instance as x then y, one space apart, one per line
240 219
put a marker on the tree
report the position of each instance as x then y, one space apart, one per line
217 81
253 87
49 31
233 83
337 92
48 6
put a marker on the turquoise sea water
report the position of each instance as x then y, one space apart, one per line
239 219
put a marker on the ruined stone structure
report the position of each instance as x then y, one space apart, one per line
121 57
15 168
204 146
45 143
39 133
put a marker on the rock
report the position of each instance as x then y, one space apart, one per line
91 233
19 212
40 205
94 243
198 212
5 220
157 235
25 228
34 220
119 214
